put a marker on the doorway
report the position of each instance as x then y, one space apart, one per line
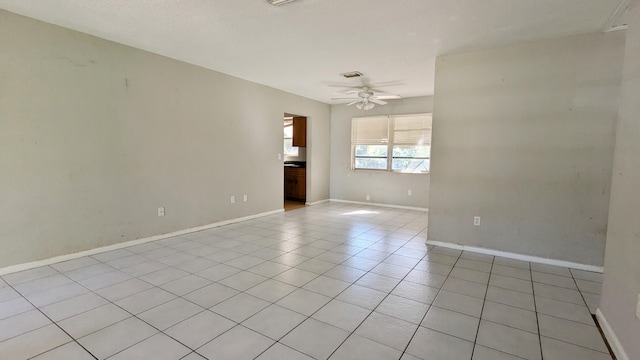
295 161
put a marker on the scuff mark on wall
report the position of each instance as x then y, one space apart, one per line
77 63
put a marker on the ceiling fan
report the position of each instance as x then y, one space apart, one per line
365 97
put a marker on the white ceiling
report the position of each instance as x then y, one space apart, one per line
303 46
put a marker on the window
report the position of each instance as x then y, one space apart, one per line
393 143
289 149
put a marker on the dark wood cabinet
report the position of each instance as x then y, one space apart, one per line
295 183
299 132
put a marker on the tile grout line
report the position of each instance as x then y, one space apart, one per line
430 305
336 265
484 301
158 286
535 308
352 283
132 316
595 319
364 274
209 309
52 322
415 234
595 324
381 301
135 315
580 292
505 325
299 287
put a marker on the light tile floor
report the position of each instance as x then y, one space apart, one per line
332 281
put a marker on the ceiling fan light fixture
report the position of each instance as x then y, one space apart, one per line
366 98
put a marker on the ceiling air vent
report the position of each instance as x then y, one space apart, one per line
352 74
279 2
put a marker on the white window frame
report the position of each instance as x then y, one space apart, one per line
389 141
295 151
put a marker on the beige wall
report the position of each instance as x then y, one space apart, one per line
95 136
621 286
384 187
523 137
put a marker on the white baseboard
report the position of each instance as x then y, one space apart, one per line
61 258
535 259
379 204
613 340
316 202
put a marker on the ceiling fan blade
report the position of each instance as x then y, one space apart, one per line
386 83
354 91
346 86
353 102
387 97
378 91
379 102
365 83
346 98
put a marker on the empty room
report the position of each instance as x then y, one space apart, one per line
319 179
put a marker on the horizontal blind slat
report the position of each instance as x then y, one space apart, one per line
370 130
412 122
412 130
412 137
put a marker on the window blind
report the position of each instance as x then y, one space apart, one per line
412 130
370 131
394 143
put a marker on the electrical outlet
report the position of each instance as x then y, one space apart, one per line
245 198
233 199
476 220
279 156
638 308
161 211
368 197
409 192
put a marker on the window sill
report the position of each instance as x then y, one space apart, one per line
393 171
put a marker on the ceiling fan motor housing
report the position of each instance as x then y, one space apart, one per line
367 98
365 93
